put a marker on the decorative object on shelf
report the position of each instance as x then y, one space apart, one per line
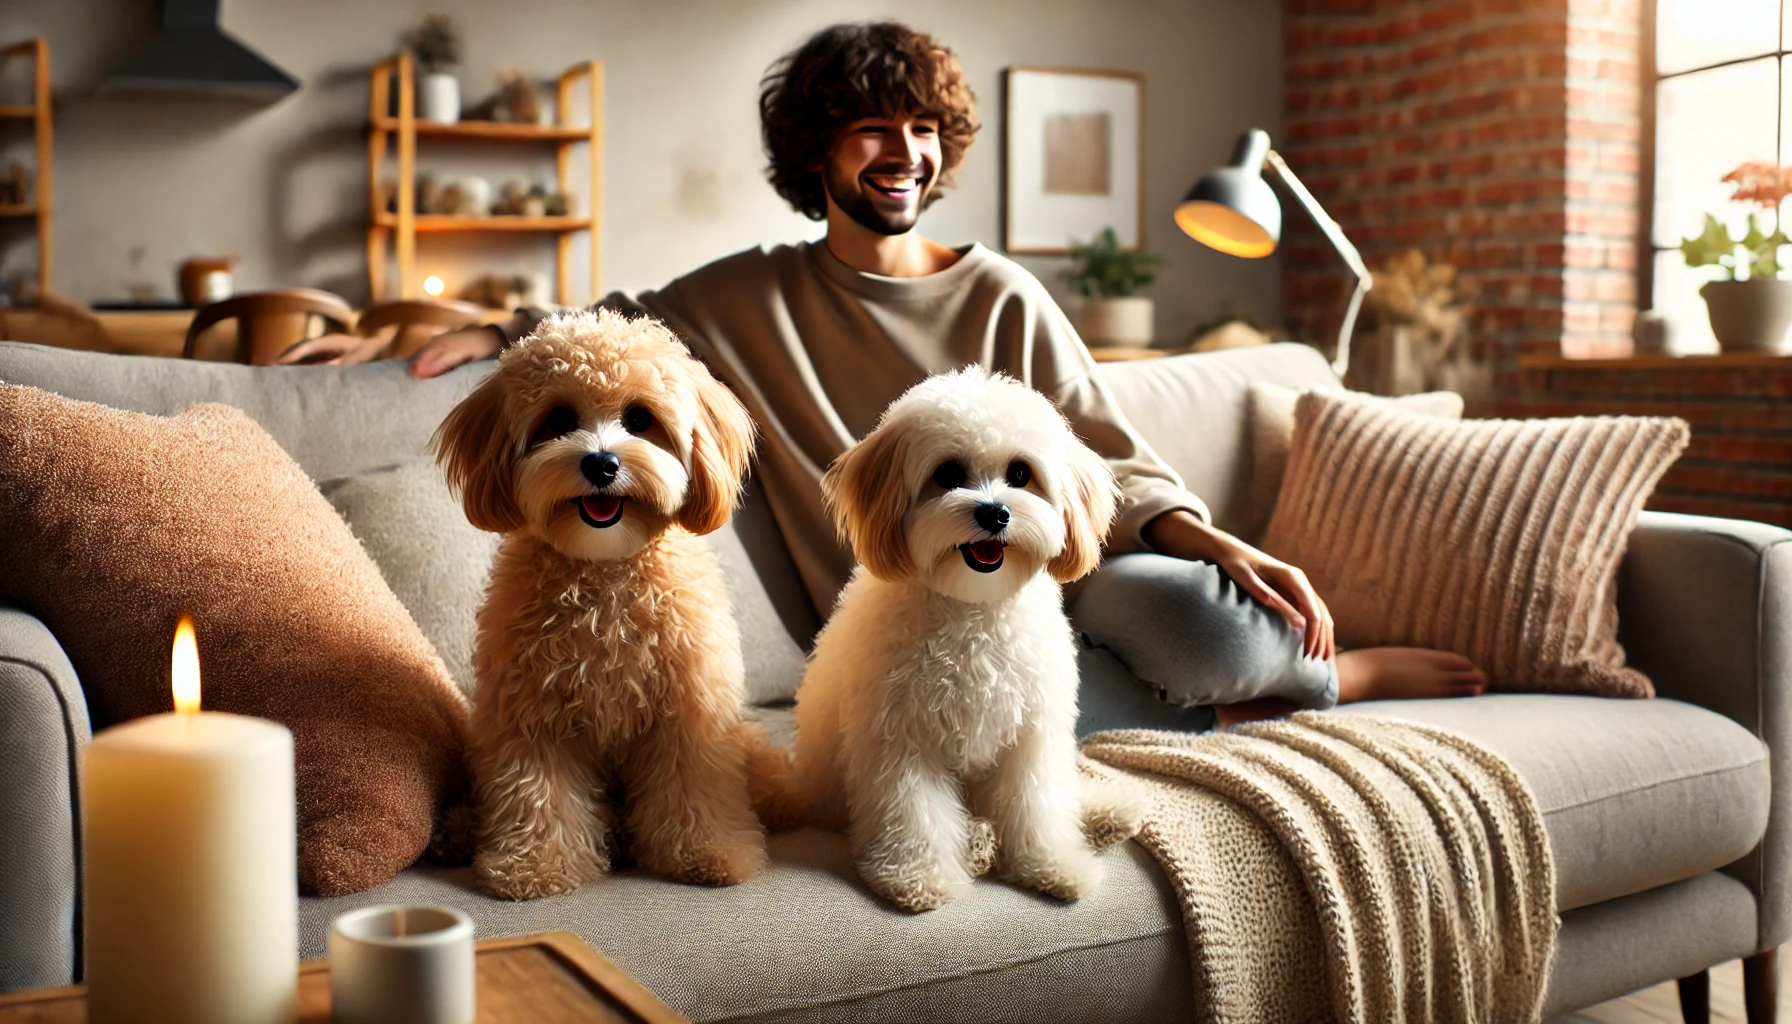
205 281
1075 144
402 965
1653 335
1234 210
1416 336
393 227
504 291
18 197
15 185
476 195
436 43
1109 278
516 101
189 861
1751 310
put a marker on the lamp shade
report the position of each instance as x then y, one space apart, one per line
1232 208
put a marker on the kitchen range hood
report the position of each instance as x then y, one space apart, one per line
192 56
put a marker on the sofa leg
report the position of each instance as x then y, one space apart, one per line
1761 987
1695 998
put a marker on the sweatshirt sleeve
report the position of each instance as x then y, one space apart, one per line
1063 369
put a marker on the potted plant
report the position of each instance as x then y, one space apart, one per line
1109 278
436 44
1751 310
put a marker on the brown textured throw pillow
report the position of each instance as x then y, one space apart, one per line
1496 539
115 522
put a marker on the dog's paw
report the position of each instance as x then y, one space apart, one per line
1066 875
1111 816
913 894
727 860
981 847
533 876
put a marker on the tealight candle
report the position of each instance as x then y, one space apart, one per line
402 965
191 865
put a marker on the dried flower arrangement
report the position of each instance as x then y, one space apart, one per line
1415 318
1756 254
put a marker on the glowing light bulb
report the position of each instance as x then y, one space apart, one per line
432 284
186 667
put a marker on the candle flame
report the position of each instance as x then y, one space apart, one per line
186 667
433 285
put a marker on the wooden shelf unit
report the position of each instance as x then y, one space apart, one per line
37 112
401 227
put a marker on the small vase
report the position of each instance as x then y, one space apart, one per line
1126 322
1749 316
440 95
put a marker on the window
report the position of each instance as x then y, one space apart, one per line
1722 90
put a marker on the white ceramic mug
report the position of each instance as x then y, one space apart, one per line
402 965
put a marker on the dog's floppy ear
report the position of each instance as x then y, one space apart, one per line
866 491
473 446
721 447
1089 497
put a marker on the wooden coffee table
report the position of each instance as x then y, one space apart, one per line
549 978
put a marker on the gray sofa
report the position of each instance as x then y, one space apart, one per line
1668 818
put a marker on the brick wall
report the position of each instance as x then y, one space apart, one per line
1500 135
1739 463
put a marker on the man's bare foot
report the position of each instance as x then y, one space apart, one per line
1405 673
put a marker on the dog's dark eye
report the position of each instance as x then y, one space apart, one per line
637 419
950 475
560 420
1019 474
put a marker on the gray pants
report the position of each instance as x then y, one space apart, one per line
1166 639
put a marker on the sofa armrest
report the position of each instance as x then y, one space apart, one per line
43 726
1705 609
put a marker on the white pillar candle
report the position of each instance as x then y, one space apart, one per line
191 866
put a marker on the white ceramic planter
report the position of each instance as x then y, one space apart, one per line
439 98
1125 321
1750 316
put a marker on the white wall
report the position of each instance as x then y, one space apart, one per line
283 186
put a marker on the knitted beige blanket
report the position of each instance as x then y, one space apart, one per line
1337 868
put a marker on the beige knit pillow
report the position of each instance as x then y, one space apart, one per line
1271 411
1496 539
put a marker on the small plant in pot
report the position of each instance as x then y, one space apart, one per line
1752 309
436 44
1109 279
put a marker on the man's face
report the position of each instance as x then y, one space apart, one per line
881 169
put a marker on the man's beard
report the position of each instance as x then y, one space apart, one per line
849 195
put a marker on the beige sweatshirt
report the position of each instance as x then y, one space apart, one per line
817 349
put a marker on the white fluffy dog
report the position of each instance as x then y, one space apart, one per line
945 684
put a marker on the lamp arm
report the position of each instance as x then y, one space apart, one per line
1335 235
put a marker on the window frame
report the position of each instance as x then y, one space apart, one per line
1650 72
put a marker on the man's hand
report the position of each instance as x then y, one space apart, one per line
332 350
444 352
1275 583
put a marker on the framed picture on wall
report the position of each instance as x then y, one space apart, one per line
1074 147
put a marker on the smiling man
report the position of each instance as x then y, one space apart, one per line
863 126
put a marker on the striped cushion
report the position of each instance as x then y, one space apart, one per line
1496 539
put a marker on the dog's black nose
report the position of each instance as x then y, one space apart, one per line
601 468
992 516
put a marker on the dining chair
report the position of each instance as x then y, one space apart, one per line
268 323
416 321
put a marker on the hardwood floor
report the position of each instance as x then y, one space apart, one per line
1661 1004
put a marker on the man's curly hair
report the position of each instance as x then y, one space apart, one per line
853 71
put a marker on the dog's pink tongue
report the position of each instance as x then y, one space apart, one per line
601 506
988 552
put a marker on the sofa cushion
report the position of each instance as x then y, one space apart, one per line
804 940
1634 794
1191 408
